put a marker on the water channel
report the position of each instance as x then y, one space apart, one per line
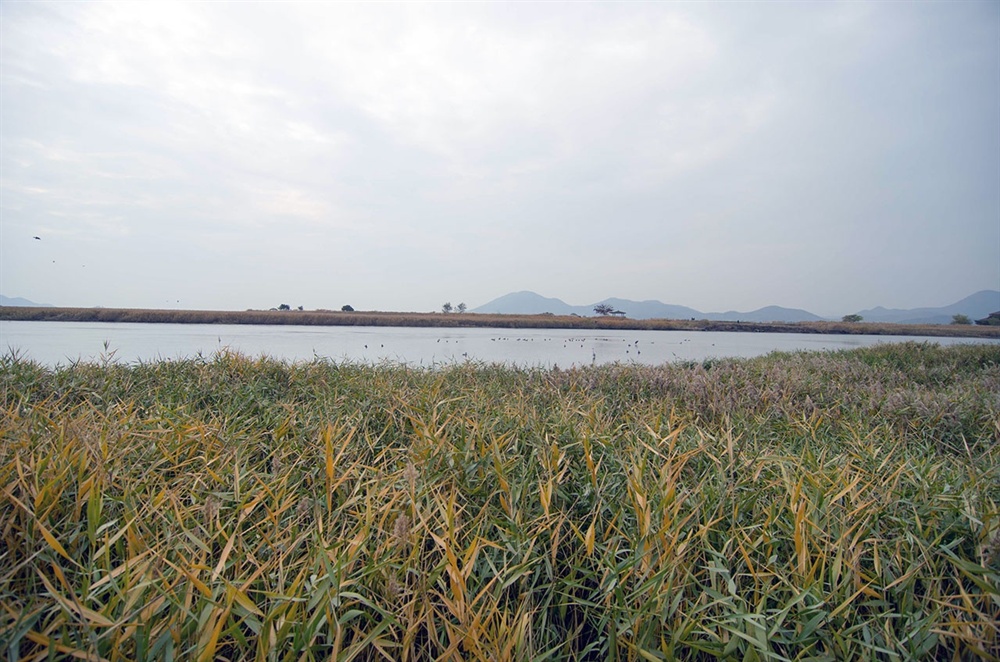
60 343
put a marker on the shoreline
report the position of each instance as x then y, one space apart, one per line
460 320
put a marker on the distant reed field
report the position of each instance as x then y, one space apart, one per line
460 320
820 506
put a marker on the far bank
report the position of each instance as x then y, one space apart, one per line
459 320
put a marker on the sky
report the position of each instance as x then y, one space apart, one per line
395 156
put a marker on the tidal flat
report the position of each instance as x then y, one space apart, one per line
809 505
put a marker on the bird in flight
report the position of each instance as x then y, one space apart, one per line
38 238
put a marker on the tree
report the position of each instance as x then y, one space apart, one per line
446 308
300 307
960 319
603 309
347 309
461 308
852 318
284 306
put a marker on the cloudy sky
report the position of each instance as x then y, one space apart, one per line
395 156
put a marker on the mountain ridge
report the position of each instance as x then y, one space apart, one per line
526 302
975 306
21 301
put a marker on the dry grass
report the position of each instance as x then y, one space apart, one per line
798 506
455 320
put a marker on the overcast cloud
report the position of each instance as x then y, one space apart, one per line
390 156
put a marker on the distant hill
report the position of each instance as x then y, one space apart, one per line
18 301
768 314
975 306
650 309
530 303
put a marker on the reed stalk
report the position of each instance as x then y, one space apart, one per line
796 506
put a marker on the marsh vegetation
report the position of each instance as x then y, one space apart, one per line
796 506
468 320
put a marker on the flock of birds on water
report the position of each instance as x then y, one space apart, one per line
630 346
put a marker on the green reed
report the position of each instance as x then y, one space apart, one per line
797 506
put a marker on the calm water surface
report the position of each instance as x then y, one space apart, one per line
59 343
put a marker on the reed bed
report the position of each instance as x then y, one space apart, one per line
467 320
793 507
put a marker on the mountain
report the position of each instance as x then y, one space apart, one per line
975 306
529 303
18 301
650 309
767 314
657 310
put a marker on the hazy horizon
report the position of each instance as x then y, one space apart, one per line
831 157
472 308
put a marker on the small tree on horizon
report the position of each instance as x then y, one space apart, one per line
284 306
603 309
446 308
347 309
461 308
852 318
961 319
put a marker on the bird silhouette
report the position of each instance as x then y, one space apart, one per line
38 238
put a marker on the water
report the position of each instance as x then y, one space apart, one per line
60 343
